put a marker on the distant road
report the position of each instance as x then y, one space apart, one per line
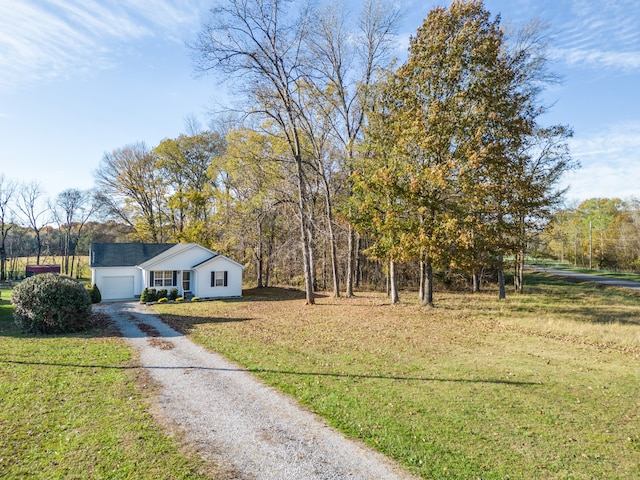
586 277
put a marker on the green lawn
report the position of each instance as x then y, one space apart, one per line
75 406
545 385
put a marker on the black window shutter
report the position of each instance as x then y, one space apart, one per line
175 278
151 279
213 279
225 277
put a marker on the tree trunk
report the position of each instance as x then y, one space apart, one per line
351 260
267 273
259 257
38 247
427 299
501 288
358 259
519 272
3 260
305 242
421 285
475 278
332 241
312 258
393 283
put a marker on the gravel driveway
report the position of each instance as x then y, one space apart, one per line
248 429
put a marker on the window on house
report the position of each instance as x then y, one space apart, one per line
219 279
163 278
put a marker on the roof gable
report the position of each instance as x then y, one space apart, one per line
176 250
125 254
215 257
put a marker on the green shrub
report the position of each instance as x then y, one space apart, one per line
51 303
144 296
94 294
162 293
195 299
173 294
162 300
179 299
153 295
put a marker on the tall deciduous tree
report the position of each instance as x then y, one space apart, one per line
72 210
260 43
345 65
257 183
7 192
34 210
132 189
190 164
459 122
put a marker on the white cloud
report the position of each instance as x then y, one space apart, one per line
40 41
597 58
601 33
610 163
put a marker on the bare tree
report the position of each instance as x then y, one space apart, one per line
72 209
34 211
345 65
260 44
7 191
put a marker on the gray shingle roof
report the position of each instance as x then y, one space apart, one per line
125 254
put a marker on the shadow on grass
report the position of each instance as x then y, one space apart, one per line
185 324
496 381
100 326
275 294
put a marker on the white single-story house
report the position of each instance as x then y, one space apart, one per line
123 270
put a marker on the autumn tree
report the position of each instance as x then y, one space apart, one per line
435 116
190 166
459 119
258 187
132 189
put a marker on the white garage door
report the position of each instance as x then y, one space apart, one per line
117 288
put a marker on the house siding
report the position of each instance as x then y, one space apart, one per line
219 264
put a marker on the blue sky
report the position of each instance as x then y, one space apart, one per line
79 78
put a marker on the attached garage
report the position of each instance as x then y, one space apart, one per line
123 270
118 288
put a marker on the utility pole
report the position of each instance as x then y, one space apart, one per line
590 245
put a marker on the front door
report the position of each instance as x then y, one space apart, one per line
186 283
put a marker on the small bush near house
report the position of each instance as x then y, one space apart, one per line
94 293
173 294
162 293
50 303
195 299
152 295
144 296
162 300
179 299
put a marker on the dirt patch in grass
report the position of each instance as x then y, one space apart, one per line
161 343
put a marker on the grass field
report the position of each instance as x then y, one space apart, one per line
540 386
74 406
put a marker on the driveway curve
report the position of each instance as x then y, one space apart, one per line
250 430
587 277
